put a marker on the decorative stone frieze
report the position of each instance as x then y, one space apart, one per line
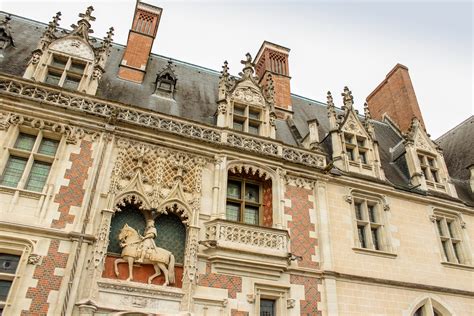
299 182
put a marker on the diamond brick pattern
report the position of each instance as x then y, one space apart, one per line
221 281
308 306
47 281
300 225
73 193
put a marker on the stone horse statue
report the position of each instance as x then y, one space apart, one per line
161 259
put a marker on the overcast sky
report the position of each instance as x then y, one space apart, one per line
333 43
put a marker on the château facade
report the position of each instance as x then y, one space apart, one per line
135 184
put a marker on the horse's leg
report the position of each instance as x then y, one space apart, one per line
157 273
130 268
117 261
165 272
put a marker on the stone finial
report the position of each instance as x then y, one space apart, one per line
248 66
347 98
330 107
108 39
48 34
270 89
367 112
6 38
83 27
224 81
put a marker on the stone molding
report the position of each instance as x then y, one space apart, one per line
132 115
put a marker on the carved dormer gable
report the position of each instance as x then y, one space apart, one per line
70 59
354 147
243 104
425 161
166 81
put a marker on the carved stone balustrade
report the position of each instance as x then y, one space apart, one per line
247 238
120 113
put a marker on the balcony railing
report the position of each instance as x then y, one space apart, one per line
248 238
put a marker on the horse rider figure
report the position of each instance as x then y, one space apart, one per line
148 240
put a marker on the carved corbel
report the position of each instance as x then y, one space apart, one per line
34 259
432 218
348 198
251 298
290 303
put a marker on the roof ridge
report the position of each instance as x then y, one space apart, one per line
454 128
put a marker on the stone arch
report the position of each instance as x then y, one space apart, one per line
177 207
133 197
433 301
267 174
73 46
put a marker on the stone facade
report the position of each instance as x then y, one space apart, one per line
267 222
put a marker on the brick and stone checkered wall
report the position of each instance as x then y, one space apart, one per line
308 306
48 280
221 281
73 194
235 312
301 227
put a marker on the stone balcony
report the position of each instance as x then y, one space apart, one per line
247 238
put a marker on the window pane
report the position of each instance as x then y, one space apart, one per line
425 173
77 67
360 231
348 138
360 142
53 78
358 210
252 193
254 115
25 142
71 83
350 153
238 125
4 289
421 159
38 175
375 239
13 171
457 251
440 227
8 263
233 212
233 190
371 209
48 147
434 175
251 215
451 229
431 162
59 62
253 129
362 157
267 307
446 250
239 111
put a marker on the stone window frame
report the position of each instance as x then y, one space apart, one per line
381 208
427 169
66 71
23 248
277 292
246 119
428 303
31 156
448 256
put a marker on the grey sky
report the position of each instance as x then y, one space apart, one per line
333 43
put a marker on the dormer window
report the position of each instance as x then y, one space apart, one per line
166 82
355 148
247 119
429 167
65 72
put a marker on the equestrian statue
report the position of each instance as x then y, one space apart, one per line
142 249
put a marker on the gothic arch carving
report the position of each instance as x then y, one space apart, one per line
432 300
132 197
251 167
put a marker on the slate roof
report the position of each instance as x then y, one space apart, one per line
196 95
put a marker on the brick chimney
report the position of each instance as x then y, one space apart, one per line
140 41
396 97
273 58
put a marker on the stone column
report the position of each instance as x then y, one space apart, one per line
190 268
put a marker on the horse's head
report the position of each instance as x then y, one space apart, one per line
126 232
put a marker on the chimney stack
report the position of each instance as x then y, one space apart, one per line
273 59
395 97
140 41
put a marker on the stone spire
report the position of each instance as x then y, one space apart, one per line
104 50
331 112
347 99
369 126
48 35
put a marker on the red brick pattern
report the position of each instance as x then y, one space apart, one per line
234 312
301 243
221 281
73 193
47 281
308 306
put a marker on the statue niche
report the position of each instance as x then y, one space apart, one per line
150 244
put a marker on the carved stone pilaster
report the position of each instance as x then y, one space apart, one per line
190 268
